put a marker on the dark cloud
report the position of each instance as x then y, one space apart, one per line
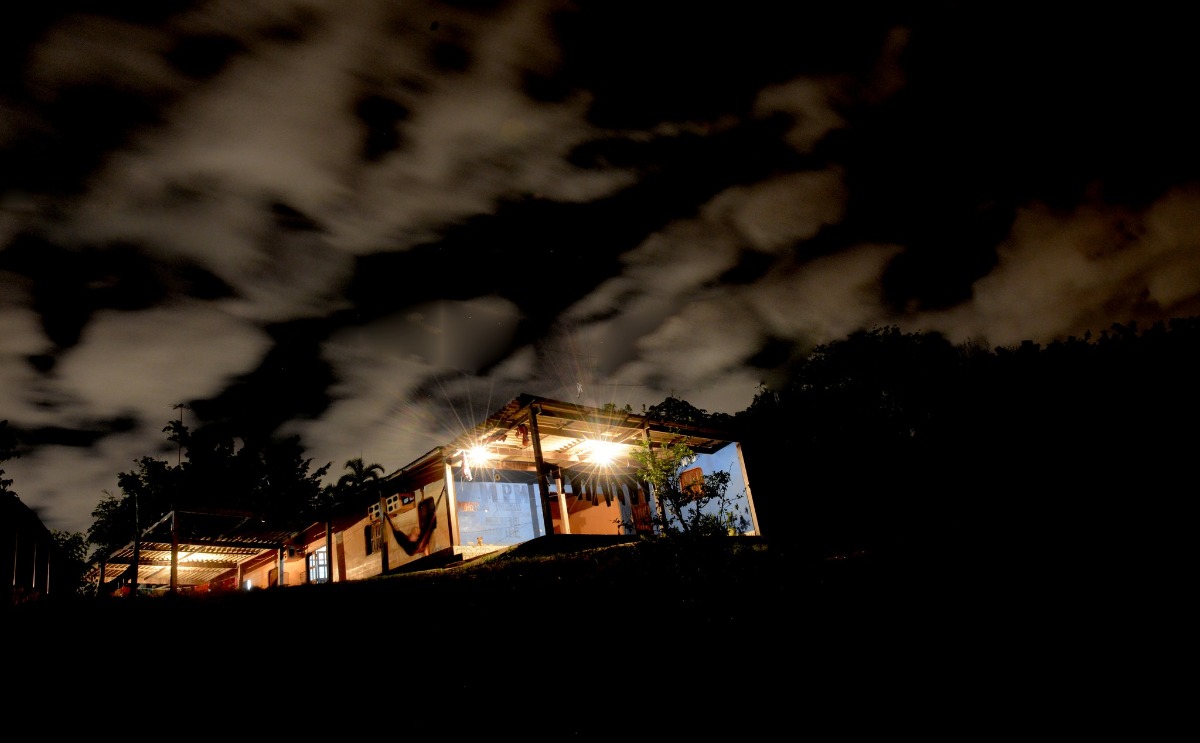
381 116
69 286
293 381
203 56
648 63
80 437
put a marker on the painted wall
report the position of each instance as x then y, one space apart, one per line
350 560
585 518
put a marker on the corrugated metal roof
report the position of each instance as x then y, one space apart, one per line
210 544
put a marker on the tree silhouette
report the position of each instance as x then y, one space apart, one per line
269 477
70 556
1008 460
359 479
8 450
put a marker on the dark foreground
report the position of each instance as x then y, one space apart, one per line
564 638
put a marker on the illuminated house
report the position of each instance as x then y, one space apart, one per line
535 467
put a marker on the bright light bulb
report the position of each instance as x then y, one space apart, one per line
603 452
478 455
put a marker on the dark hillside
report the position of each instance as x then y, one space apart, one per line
576 637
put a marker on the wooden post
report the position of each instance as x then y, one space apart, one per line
384 535
563 519
137 545
543 482
328 551
658 501
137 561
451 501
174 553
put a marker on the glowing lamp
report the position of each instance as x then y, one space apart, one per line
603 452
478 455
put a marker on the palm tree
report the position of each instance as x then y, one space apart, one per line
354 483
359 477
331 497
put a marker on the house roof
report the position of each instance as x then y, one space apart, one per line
568 434
211 543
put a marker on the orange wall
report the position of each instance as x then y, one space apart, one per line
584 518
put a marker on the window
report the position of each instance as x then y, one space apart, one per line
373 536
318 567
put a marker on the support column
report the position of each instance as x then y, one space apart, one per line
384 536
452 502
329 552
137 545
564 518
174 555
658 501
543 482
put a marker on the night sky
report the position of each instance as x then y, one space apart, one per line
370 224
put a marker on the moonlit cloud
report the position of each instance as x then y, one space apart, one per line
825 299
1064 274
782 211
157 358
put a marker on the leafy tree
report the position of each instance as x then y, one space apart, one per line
70 551
269 477
674 410
286 487
845 449
326 501
147 493
113 523
695 508
8 450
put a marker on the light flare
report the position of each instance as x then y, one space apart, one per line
602 452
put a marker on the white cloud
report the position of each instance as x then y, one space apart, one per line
826 298
779 212
150 360
379 366
1064 274
66 483
697 354
22 337
809 102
